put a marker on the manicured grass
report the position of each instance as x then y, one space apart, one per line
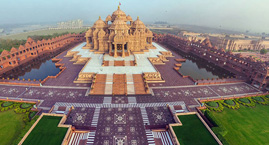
245 100
24 106
193 132
25 130
229 102
258 99
245 125
46 132
6 104
212 104
11 125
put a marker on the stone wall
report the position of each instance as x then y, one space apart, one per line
246 68
32 49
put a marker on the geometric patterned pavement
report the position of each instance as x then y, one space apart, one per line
80 118
159 116
120 126
121 119
51 95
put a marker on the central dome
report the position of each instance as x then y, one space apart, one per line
119 24
119 13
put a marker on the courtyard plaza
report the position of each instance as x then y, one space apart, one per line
126 119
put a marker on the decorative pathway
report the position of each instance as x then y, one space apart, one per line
138 105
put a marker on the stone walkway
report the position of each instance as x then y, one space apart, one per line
113 119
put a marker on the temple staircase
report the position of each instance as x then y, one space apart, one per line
118 84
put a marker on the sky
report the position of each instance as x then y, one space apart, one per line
241 15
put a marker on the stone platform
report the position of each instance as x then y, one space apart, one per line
118 84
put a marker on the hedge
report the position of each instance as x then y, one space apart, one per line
220 133
219 104
212 104
219 130
261 100
24 105
32 114
244 100
235 105
28 125
6 104
229 102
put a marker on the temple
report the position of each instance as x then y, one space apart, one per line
120 38
119 56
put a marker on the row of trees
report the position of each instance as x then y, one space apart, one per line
46 37
7 44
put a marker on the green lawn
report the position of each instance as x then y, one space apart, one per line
193 132
246 125
11 125
23 36
46 132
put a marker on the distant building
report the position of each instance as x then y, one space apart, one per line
235 44
74 24
1 30
229 42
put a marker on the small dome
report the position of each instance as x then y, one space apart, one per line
119 13
99 23
129 18
108 18
138 24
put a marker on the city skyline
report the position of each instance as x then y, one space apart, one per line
232 15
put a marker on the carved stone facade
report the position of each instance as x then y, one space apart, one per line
32 49
122 37
153 76
256 72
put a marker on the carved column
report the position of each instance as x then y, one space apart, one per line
87 38
109 48
123 52
115 50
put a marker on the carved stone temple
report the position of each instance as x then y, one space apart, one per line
119 56
118 35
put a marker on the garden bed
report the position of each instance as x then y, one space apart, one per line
13 120
6 104
229 102
249 122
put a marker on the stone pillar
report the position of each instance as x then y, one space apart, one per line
109 48
87 38
115 50
123 52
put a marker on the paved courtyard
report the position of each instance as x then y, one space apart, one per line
121 119
120 125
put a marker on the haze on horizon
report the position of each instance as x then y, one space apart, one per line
238 15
